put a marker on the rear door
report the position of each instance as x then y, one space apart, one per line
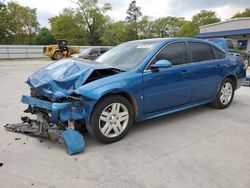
206 70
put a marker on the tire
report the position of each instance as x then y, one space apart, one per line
107 125
225 96
57 55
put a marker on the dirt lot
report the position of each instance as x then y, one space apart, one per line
201 147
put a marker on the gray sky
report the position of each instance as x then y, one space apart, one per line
153 8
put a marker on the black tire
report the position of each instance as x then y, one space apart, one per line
94 128
217 103
57 55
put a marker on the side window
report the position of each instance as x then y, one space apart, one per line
201 51
94 51
176 53
218 53
103 50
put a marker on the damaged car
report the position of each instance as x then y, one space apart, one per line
134 81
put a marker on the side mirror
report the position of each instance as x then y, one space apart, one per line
161 64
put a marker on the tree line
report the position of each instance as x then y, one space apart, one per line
89 24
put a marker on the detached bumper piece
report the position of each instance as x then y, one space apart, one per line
43 126
38 127
247 81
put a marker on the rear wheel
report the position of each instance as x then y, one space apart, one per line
57 55
225 95
111 119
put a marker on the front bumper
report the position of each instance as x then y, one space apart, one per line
63 112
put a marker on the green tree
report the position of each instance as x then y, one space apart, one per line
3 23
19 23
44 37
146 28
2 5
114 34
93 18
187 30
245 13
204 17
168 26
133 18
31 24
68 26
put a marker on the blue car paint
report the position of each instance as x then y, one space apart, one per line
190 90
61 78
62 112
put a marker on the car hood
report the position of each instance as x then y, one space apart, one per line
60 79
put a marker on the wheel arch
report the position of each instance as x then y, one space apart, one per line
233 78
127 96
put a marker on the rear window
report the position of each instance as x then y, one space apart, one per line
218 53
201 51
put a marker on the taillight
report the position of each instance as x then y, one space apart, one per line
245 63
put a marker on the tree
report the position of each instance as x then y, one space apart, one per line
44 37
67 26
187 30
114 34
18 23
30 23
168 26
3 23
134 15
204 17
94 18
245 13
146 27
2 5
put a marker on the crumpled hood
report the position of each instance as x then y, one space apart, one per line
61 78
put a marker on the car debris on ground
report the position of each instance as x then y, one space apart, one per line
72 139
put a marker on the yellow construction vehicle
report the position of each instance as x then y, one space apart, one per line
60 50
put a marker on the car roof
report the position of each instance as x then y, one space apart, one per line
171 40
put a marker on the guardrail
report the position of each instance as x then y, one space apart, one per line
27 51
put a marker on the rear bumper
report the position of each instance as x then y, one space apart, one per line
76 110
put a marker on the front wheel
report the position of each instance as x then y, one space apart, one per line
225 95
111 119
57 55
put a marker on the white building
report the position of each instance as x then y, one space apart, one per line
238 29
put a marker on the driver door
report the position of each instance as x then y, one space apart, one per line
168 87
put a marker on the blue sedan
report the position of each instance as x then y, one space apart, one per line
134 81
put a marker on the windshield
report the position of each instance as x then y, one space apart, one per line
127 55
86 51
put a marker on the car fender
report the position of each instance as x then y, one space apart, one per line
132 86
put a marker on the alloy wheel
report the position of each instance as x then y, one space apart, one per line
226 93
113 120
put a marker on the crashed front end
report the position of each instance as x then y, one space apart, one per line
53 99
60 113
52 91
